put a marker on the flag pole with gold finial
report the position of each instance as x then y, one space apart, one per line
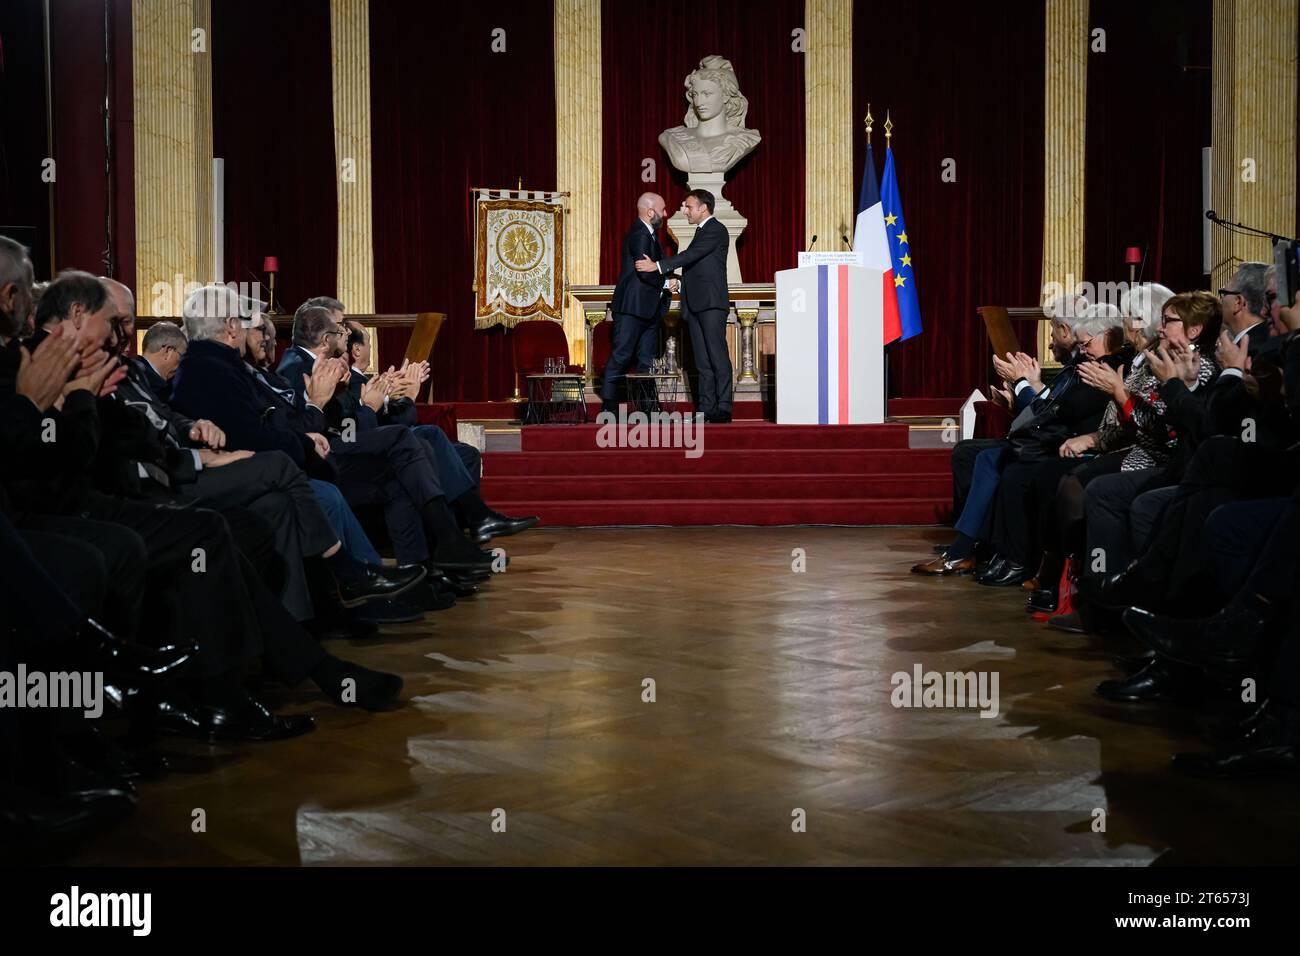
888 129
868 121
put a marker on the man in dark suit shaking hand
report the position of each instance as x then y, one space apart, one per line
704 302
640 299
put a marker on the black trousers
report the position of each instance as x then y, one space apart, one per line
99 565
192 558
1223 469
1018 531
271 485
636 339
391 467
1107 502
708 329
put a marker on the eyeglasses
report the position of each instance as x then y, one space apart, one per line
1223 292
1169 319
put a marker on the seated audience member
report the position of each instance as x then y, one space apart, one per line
1065 312
171 453
1028 487
1045 417
433 595
1132 446
1247 307
161 352
385 466
319 335
1253 543
227 610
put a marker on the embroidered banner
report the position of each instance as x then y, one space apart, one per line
518 257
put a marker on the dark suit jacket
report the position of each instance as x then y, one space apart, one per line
141 428
157 384
640 293
294 365
214 383
1071 407
704 268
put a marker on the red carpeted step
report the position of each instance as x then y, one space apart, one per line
743 511
734 436
838 461
503 491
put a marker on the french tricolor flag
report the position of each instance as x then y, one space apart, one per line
871 243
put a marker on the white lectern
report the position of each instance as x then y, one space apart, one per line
830 352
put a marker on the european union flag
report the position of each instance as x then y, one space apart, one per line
909 311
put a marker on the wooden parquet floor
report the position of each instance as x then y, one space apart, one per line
772 694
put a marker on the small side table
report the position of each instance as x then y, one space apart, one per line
556 398
644 389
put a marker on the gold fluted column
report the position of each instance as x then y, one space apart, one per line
1252 179
1065 111
829 124
578 151
173 149
350 66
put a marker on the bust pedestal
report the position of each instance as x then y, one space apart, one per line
723 211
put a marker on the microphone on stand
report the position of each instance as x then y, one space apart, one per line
813 243
845 240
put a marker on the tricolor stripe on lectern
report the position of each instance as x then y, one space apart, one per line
834 370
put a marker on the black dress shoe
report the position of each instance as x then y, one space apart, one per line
250 719
1236 731
242 719
44 826
1127 589
1154 682
128 662
718 418
460 555
377 584
462 584
1044 600
431 596
181 718
93 750
1011 573
1269 751
997 564
410 608
501 526
1069 623
1133 663
1223 645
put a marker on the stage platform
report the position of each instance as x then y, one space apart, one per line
745 473
898 408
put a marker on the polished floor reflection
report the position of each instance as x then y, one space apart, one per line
527 738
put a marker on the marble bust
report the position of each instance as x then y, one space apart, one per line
713 138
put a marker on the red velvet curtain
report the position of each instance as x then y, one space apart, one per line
24 199
967 87
644 60
273 124
448 114
1149 115
90 52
